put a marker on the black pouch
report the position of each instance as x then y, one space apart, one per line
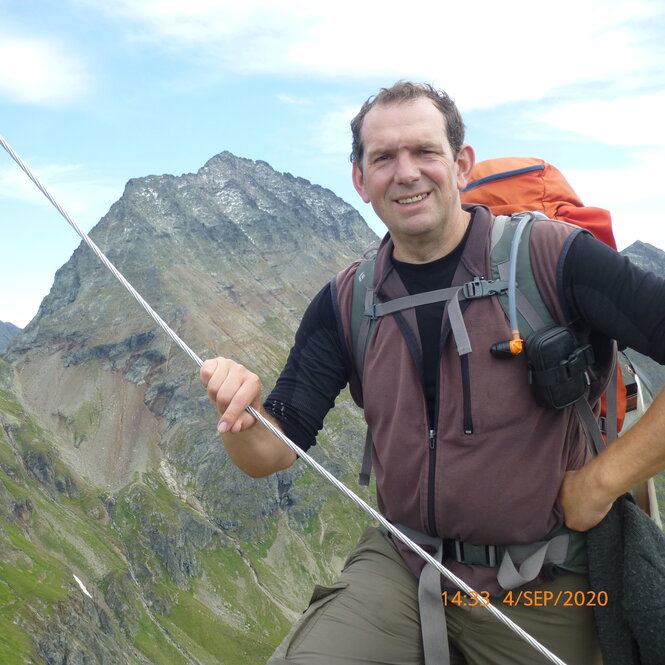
558 366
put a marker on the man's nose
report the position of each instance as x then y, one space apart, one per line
406 169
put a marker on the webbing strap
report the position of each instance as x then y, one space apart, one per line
366 468
457 324
433 626
477 288
524 307
363 336
530 561
432 613
590 424
612 406
407 302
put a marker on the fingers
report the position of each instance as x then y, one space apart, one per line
232 388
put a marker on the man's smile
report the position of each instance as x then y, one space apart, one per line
413 199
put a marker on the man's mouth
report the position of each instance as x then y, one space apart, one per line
413 199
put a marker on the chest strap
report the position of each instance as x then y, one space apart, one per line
364 300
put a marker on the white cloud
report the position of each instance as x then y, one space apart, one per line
634 120
293 101
512 53
633 194
40 72
332 134
83 196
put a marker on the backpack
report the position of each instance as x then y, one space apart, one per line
508 185
513 184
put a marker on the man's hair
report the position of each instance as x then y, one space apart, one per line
405 91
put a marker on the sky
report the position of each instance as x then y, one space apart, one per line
94 93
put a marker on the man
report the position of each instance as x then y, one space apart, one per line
461 449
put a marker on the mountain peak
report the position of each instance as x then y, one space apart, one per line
646 256
224 255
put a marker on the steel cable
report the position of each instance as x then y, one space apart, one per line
280 435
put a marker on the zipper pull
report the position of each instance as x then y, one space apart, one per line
432 439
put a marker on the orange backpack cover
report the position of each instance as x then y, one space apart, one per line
515 184
507 185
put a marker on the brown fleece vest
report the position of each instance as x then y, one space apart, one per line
497 481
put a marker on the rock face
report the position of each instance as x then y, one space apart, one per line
7 332
652 259
229 257
646 256
109 458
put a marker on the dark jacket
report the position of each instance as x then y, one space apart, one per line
626 555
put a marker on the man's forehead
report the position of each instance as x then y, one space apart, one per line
419 117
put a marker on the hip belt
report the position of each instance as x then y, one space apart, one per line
516 565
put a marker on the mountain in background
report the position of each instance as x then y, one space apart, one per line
126 534
652 259
111 469
7 332
646 256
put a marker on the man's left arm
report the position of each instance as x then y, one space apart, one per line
625 303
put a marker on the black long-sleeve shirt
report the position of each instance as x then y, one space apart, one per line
600 288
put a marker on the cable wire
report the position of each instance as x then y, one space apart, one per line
280 435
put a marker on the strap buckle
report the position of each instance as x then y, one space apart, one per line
370 312
479 287
477 555
602 423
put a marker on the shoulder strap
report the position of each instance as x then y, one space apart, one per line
362 299
365 310
532 310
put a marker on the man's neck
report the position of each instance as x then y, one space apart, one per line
425 249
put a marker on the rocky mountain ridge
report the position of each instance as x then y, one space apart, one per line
646 256
109 457
652 259
7 332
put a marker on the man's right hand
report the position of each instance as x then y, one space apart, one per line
232 388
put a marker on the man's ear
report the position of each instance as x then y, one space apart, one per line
359 182
466 160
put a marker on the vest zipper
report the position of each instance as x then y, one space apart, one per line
466 393
431 516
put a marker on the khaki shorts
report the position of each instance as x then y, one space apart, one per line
370 617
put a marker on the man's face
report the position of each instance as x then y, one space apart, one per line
409 173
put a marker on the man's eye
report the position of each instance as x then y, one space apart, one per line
381 158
